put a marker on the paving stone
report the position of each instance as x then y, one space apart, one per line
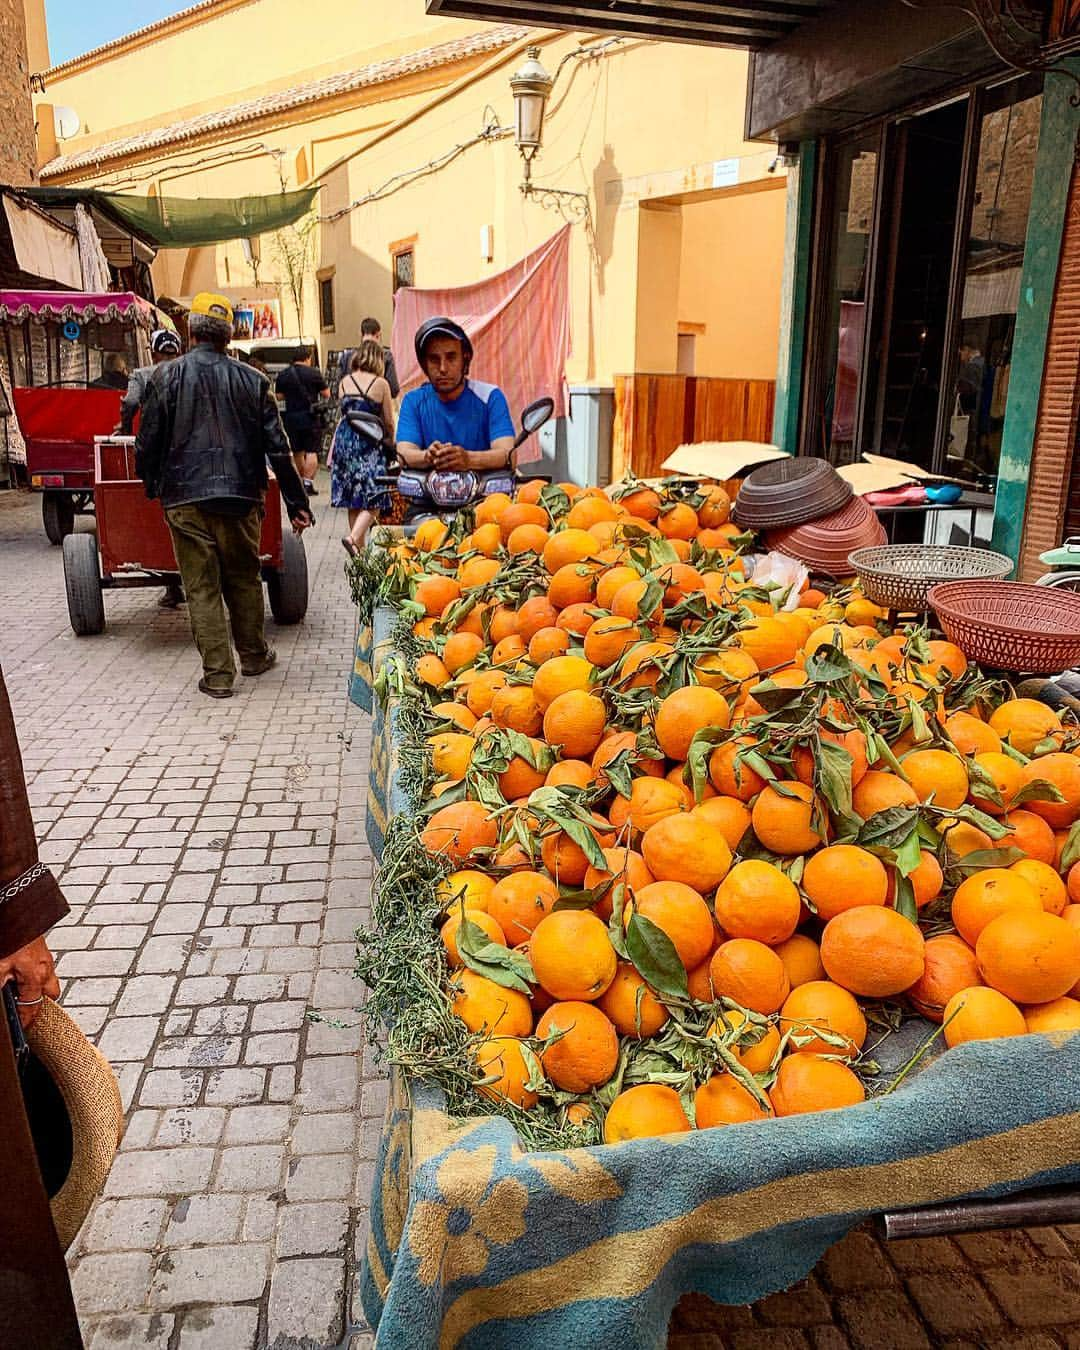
198 1052
133 1331
156 1172
257 1125
227 1021
879 1318
272 1047
128 1038
125 1225
171 1087
92 963
312 1229
857 1262
191 1125
260 1218
221 1274
996 1248
326 1176
145 994
286 1016
89 991
1038 1294
220 1328
233 1087
953 1303
306 1304
201 1220
329 1084
114 1282
922 1255
253 1167
324 1133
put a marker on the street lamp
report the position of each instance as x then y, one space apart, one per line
531 88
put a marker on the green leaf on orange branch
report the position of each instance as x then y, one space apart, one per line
503 965
655 958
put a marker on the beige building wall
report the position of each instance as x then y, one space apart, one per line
18 154
629 125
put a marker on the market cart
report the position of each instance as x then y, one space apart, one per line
133 547
64 354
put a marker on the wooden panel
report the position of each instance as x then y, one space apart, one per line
1053 502
654 414
1064 19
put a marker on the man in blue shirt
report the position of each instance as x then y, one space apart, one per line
452 422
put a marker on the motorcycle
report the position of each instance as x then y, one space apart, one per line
443 492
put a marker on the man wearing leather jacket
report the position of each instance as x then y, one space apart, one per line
209 425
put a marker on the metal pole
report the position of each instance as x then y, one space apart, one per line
1034 1209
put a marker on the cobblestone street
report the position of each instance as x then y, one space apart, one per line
213 856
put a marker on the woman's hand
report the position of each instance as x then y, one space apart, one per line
34 973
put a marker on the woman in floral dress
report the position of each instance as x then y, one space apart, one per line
355 463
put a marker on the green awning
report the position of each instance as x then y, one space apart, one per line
182 222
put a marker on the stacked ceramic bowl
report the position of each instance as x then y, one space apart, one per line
807 511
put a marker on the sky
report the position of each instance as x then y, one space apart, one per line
75 26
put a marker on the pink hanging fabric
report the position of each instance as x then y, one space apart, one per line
519 323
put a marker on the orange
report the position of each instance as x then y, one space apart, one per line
521 513
769 642
750 974
1063 772
652 800
688 849
607 638
574 772
461 650
926 880
559 676
435 592
984 896
729 775
1073 885
880 790
802 959
1060 1014
449 931
722 1100
962 838
491 508
514 708
643 1112
519 901
530 492
484 1005
454 713
533 615
503 623
431 671
590 510
842 876
481 691
628 599
756 1045
572 955
467 887
1006 776
810 1083
686 712
971 735
980 1014
1048 886
431 534
853 741
567 546
872 951
818 1006
510 650
614 745
585 1056
1029 833
782 820
502 1065
699 983
728 671
479 571
756 900
681 913
455 831
1024 722
677 521
574 721
937 775
611 582
643 502
574 584
576 619
730 816
624 867
632 1013
450 753
950 967
715 509
486 538
519 778
546 643
526 538
1030 958
641 666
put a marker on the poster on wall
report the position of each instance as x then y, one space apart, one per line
244 323
266 322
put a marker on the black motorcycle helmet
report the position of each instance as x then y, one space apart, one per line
441 327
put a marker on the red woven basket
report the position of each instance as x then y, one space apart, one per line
1005 624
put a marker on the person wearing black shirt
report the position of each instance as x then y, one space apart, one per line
301 386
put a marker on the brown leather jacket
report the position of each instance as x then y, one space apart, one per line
36 1308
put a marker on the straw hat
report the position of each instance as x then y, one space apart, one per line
76 1116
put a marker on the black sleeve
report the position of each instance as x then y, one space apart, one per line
151 444
277 451
390 373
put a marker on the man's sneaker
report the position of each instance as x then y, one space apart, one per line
310 488
270 659
214 691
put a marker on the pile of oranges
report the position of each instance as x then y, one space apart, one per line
702 839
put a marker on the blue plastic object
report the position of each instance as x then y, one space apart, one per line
944 493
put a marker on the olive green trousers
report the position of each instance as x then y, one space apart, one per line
218 557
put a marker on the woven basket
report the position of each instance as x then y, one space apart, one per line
1011 626
788 492
900 576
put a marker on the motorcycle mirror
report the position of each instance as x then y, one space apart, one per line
536 414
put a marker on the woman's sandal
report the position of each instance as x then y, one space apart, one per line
349 546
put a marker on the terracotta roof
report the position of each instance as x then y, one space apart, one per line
136 36
271 105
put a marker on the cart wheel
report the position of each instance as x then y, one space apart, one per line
58 516
86 605
287 590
